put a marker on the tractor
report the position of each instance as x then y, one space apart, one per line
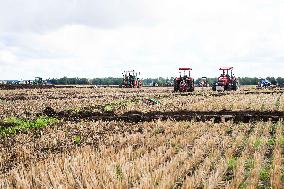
203 82
130 80
263 84
227 81
184 83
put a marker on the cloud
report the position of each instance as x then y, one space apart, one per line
42 16
91 38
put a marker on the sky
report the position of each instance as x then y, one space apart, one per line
102 38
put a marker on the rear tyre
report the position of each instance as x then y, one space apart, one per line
214 87
191 86
235 86
176 86
227 87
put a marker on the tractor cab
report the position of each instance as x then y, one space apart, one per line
184 83
225 77
131 80
226 81
184 73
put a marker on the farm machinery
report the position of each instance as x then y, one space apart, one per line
266 84
131 80
184 83
37 83
203 82
226 81
263 84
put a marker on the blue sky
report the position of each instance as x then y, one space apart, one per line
92 38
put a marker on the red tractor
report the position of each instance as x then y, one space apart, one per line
227 81
130 80
184 83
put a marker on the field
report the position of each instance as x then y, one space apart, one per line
122 138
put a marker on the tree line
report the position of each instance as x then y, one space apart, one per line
150 81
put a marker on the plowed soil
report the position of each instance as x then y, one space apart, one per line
23 86
137 116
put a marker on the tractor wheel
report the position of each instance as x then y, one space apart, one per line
235 86
136 84
191 86
214 87
227 88
176 86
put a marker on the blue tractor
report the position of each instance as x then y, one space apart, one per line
263 84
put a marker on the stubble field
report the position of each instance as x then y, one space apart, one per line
120 138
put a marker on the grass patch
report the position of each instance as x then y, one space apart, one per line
243 185
77 139
257 143
249 164
14 125
108 108
118 172
264 174
232 163
271 142
229 130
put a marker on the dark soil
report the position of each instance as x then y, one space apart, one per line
23 86
136 116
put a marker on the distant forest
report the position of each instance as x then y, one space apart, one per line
150 81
